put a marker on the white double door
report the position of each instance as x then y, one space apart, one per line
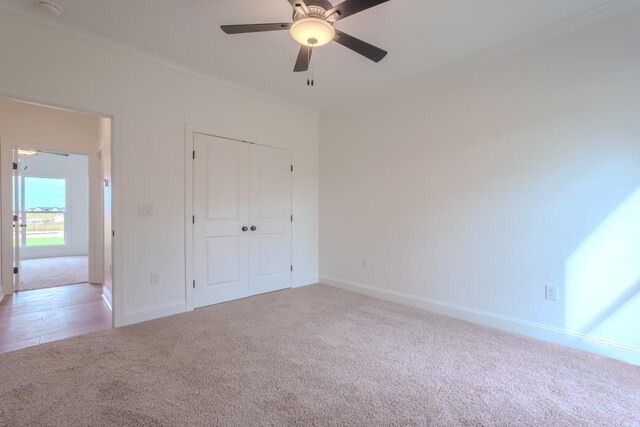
242 220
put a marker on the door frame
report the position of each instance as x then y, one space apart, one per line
190 130
57 101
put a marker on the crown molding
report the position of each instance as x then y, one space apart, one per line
34 16
589 17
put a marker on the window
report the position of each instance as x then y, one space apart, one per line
44 211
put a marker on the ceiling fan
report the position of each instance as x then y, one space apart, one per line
313 27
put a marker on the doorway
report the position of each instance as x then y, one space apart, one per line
56 224
51 211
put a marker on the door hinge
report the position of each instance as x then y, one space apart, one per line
292 268
193 219
194 284
15 166
15 218
113 233
291 168
15 270
194 154
291 218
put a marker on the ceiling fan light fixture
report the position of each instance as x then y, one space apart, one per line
312 32
27 152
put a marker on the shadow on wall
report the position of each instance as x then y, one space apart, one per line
602 282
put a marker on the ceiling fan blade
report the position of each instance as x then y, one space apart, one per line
53 153
351 7
299 4
363 48
254 28
304 57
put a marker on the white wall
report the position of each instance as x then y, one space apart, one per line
75 169
470 191
151 103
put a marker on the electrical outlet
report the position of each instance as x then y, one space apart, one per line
154 278
551 293
145 211
365 264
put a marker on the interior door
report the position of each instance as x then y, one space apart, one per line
270 219
221 214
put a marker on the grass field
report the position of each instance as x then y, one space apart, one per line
45 241
44 228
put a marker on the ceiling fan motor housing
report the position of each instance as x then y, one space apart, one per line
314 12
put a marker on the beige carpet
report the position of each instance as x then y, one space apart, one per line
50 272
313 356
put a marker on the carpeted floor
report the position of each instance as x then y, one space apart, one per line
313 356
50 272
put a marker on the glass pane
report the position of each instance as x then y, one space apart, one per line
44 214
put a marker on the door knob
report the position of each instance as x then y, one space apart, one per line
245 228
253 228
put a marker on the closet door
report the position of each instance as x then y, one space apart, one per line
270 219
221 211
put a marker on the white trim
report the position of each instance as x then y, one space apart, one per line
587 17
300 282
154 312
552 334
118 287
106 296
188 215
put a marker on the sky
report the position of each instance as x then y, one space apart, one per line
44 192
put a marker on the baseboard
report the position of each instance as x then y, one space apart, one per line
106 296
299 282
156 312
552 334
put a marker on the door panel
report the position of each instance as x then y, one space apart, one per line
221 210
271 253
270 213
223 260
223 183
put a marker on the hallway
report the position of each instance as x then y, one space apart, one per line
42 273
40 316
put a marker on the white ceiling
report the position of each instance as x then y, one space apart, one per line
419 35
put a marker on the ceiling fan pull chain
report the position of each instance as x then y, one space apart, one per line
309 68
